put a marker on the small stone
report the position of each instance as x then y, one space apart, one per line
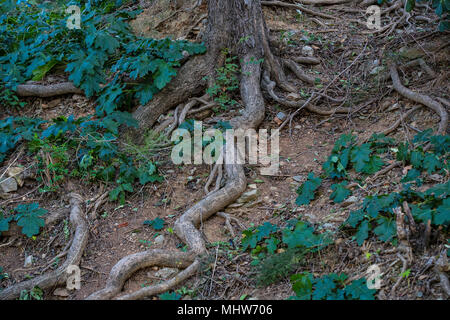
28 262
61 292
16 173
8 185
281 115
298 178
252 186
349 201
159 239
293 96
376 70
165 273
248 196
307 51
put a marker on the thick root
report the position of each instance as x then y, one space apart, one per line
59 276
189 82
420 98
49 90
186 226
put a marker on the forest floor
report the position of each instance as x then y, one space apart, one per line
304 146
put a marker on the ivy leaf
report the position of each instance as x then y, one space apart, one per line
360 156
442 216
340 192
431 162
29 217
272 244
302 285
157 224
358 290
417 159
354 218
323 287
306 190
169 296
421 214
363 232
386 229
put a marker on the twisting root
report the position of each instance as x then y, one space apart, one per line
59 276
403 117
404 246
420 98
174 124
298 7
269 86
132 263
228 220
48 90
211 177
186 226
295 68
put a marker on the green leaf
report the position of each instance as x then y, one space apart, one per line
442 216
157 224
29 217
358 290
363 232
307 189
386 229
431 162
169 296
360 156
340 193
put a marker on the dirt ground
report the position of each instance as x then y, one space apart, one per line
304 146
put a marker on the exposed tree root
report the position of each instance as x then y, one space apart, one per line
48 90
420 98
306 60
59 276
132 263
298 7
228 220
186 226
397 123
302 75
189 82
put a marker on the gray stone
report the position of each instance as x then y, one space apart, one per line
349 201
8 185
376 70
28 262
281 115
307 51
248 196
61 292
165 273
298 178
159 239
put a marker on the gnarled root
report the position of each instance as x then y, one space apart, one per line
420 98
186 226
48 90
189 82
59 276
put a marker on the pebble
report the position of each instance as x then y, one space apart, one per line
28 262
159 239
307 51
8 185
165 273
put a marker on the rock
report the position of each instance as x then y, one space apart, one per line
159 239
16 173
349 201
376 70
28 262
298 178
281 115
307 51
252 186
61 292
51 104
329 226
411 53
248 196
8 185
165 273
